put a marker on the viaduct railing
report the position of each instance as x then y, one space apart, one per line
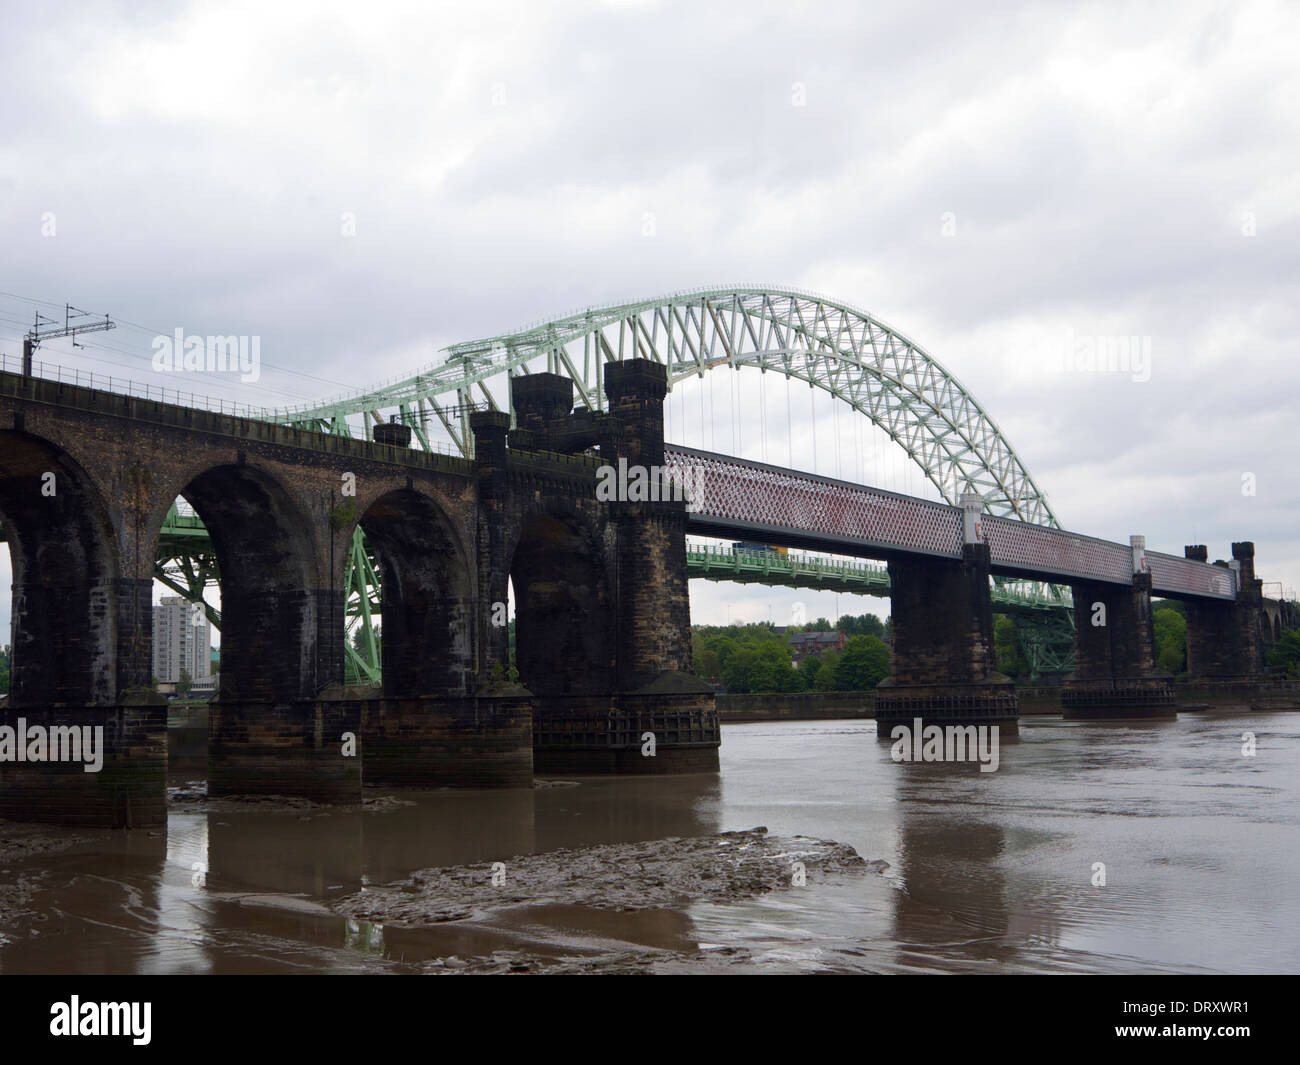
752 500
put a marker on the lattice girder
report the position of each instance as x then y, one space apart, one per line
757 501
830 345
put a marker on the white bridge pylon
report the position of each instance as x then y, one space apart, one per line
857 359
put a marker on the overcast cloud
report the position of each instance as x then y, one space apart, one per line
1109 168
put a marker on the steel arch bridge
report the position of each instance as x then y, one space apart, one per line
858 359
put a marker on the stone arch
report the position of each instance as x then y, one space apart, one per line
266 557
565 633
426 596
66 579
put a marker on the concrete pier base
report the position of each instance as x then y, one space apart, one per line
476 742
988 703
1245 694
128 791
610 735
295 748
1102 700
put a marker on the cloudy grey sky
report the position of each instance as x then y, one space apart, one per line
991 179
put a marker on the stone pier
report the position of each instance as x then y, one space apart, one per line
483 741
1115 673
291 748
125 786
943 668
1225 640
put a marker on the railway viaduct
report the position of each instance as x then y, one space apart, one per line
602 614
87 478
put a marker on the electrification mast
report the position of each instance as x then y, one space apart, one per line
46 328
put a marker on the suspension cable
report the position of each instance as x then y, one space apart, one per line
735 406
837 438
789 433
703 444
713 410
812 406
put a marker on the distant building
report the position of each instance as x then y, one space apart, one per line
182 639
803 644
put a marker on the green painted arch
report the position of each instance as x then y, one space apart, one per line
876 370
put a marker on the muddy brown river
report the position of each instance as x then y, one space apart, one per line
960 871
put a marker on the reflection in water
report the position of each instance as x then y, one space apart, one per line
988 872
955 905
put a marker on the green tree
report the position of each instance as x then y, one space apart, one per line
1286 655
186 682
810 668
861 625
738 671
825 681
863 664
777 672
359 641
1171 640
724 647
1004 645
745 658
708 666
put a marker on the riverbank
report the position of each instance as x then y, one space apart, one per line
1034 700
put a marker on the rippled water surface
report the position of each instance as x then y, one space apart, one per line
988 872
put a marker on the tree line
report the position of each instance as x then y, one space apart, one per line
757 658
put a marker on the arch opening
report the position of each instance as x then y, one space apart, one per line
564 617
265 569
425 596
64 606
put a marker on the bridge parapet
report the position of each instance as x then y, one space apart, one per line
156 412
1171 575
740 496
754 500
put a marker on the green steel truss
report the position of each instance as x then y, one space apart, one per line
186 562
859 360
724 563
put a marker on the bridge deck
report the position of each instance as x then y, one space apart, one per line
752 500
